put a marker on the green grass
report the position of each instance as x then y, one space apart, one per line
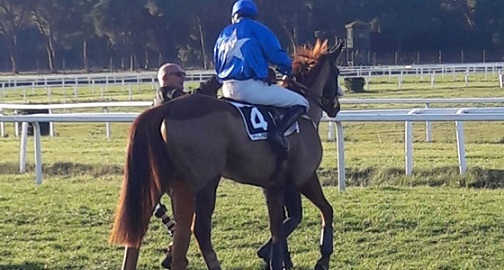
435 219
64 224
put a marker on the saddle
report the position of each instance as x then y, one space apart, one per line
259 119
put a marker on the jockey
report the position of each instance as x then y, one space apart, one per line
242 53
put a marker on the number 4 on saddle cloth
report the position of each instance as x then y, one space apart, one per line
259 119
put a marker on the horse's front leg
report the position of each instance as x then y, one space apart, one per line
313 192
274 200
183 211
205 206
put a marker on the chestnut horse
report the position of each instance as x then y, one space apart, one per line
184 146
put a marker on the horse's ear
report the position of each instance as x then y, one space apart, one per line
324 43
336 49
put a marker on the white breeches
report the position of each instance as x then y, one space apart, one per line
259 92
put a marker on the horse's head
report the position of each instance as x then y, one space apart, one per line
315 68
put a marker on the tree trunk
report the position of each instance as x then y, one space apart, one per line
13 53
146 63
50 54
85 58
203 47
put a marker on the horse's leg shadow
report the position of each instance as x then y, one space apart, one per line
205 206
313 192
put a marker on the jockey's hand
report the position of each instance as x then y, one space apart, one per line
289 78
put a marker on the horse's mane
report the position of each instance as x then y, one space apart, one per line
307 56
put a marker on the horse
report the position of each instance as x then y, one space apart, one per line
184 146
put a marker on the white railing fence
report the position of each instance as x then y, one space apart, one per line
127 81
421 115
107 106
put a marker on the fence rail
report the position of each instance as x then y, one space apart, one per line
106 106
415 115
143 77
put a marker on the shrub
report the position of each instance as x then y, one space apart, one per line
355 85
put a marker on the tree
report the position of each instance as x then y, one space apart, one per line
13 18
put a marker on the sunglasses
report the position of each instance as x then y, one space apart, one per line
178 73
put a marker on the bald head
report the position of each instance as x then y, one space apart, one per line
171 75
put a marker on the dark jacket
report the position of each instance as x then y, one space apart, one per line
165 94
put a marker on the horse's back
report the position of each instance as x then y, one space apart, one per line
206 138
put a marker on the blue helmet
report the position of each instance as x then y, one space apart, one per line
244 8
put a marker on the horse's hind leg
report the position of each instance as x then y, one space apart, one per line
274 200
294 214
183 211
313 192
205 206
130 259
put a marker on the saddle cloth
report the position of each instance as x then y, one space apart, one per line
259 119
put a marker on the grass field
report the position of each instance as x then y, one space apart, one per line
434 219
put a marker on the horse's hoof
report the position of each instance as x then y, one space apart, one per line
321 267
264 253
288 265
166 263
322 264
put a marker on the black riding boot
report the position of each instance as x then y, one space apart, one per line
276 135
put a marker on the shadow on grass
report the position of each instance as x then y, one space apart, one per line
440 176
371 176
24 266
66 169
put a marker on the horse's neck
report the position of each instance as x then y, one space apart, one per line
315 112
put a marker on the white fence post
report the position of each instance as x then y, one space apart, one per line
2 126
51 126
108 131
461 143
461 147
38 152
428 128
467 78
330 132
341 157
16 126
22 147
408 147
501 79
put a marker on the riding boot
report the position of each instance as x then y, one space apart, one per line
276 135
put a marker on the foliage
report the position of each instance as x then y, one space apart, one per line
355 84
144 33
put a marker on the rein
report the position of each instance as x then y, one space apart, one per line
308 93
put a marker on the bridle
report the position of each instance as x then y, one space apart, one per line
304 90
308 93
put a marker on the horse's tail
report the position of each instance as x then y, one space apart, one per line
142 183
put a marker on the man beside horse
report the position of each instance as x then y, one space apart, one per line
170 78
